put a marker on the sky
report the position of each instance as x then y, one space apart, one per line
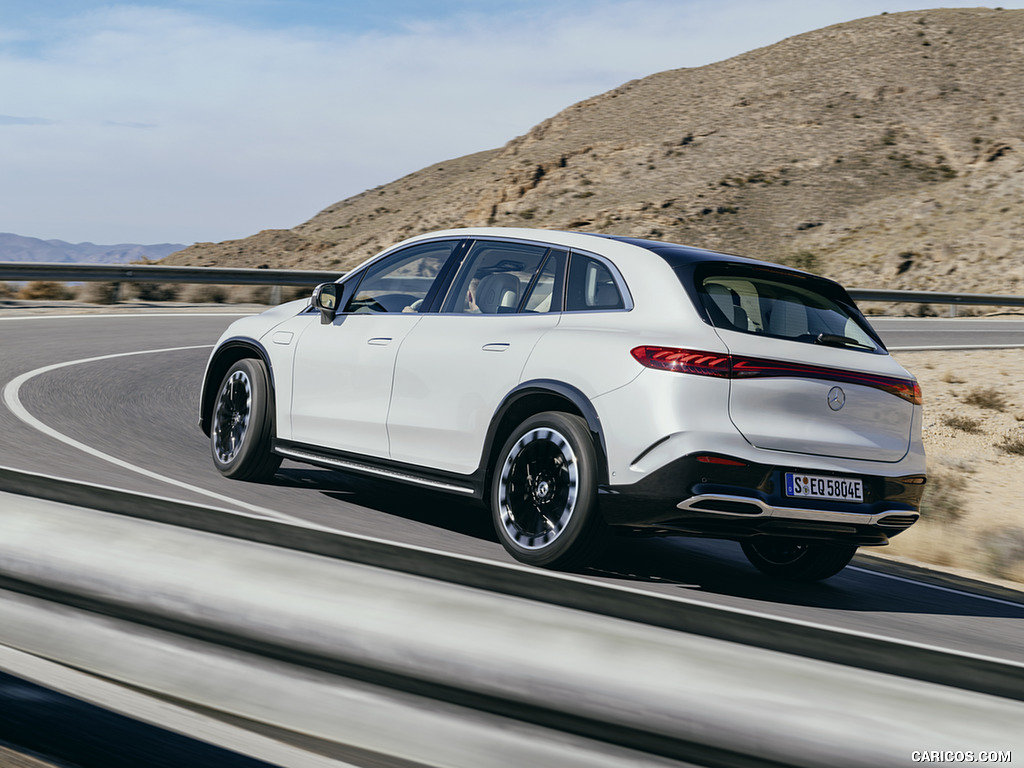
180 122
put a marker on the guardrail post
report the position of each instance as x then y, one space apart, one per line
952 310
275 295
115 294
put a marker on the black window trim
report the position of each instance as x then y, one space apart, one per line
620 283
352 281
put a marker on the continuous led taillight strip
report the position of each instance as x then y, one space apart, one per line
736 367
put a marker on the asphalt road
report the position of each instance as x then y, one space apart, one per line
135 413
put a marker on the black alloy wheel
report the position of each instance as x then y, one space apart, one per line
544 492
242 427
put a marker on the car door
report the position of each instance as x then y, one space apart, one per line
456 366
343 370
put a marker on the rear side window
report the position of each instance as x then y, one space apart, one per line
771 303
591 286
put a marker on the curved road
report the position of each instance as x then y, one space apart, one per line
128 420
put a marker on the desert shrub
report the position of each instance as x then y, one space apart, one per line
943 498
805 260
963 423
251 294
1004 548
45 290
1013 444
154 291
99 293
6 291
986 397
206 294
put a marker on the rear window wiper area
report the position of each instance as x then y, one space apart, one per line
835 340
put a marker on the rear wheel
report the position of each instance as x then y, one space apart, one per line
797 560
544 493
242 427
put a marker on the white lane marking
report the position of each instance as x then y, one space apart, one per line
955 347
131 314
13 402
961 592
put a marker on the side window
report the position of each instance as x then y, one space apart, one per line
401 281
545 294
591 286
495 277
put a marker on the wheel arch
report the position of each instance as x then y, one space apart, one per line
226 355
533 397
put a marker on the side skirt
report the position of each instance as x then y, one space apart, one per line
463 485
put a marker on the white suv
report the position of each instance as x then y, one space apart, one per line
576 383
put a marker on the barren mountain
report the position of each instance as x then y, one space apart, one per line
885 152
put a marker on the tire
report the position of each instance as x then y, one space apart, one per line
241 429
544 493
797 560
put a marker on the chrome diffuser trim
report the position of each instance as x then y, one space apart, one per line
693 503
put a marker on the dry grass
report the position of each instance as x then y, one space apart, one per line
1013 444
986 397
971 511
961 422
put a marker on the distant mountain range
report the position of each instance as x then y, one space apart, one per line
19 248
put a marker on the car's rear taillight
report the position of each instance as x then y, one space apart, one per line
737 367
684 361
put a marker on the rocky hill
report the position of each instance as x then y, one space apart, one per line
885 152
20 248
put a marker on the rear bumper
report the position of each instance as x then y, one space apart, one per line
734 502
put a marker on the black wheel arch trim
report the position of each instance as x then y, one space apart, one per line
550 388
218 365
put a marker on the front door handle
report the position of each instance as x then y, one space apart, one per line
496 347
379 341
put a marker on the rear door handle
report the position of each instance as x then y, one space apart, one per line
496 347
379 341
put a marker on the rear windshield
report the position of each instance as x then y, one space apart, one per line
768 302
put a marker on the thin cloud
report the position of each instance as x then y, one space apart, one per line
242 127
13 120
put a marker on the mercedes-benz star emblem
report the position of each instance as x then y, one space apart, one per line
836 398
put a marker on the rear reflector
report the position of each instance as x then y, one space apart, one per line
720 460
735 367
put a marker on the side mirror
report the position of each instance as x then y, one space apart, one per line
325 298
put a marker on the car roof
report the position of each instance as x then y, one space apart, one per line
675 254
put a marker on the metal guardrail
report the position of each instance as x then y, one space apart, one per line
156 273
252 625
936 297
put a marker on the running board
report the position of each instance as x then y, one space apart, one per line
368 469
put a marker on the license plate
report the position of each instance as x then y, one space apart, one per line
818 487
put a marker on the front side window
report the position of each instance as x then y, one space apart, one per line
497 276
400 282
771 303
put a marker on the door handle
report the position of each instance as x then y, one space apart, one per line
496 347
379 341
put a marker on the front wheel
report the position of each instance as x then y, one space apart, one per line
544 493
242 428
797 560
